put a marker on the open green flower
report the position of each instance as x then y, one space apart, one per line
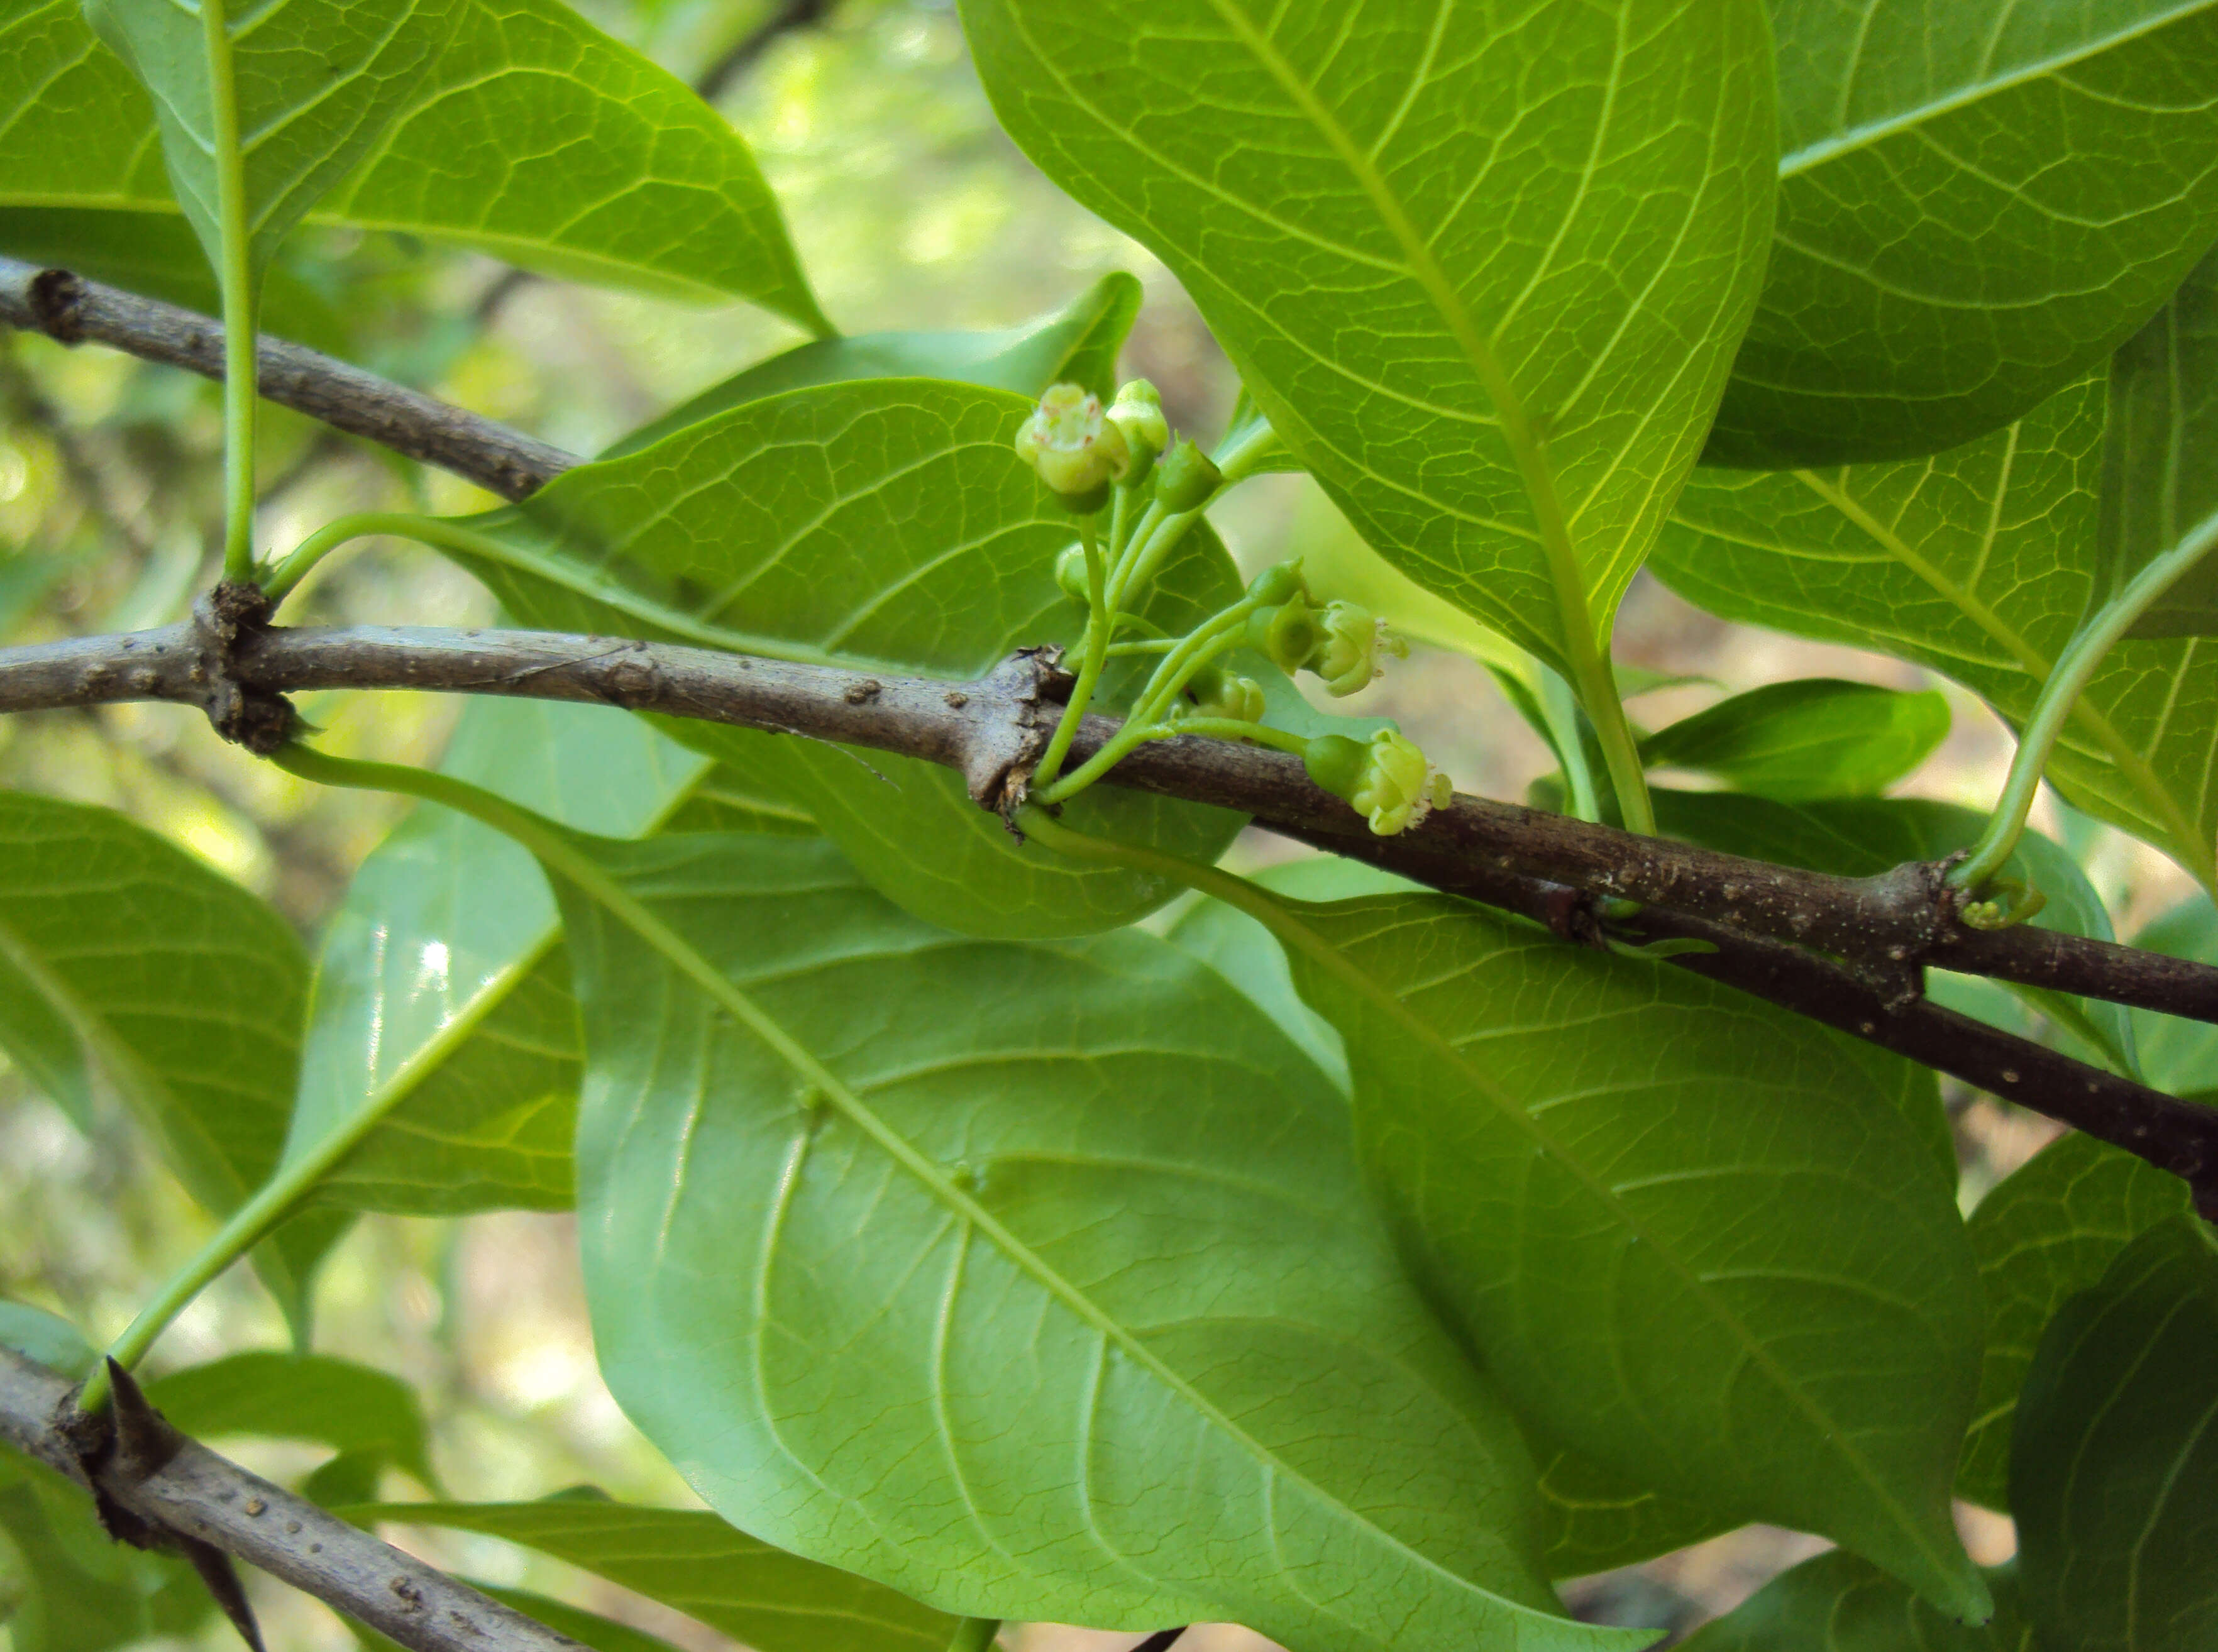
1071 442
1387 780
1354 638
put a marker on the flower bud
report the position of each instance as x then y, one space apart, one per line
1388 780
1237 699
1073 446
1070 573
1292 635
1354 637
1137 413
1279 584
1185 478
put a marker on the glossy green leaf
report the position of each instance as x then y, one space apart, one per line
760 1596
70 1596
2115 1453
128 969
2045 1233
1979 563
884 524
1837 1603
532 136
2177 1054
1979 200
1033 1279
1814 737
2158 486
46 1338
442 1008
1591 1519
1864 837
335 1403
1691 1237
1547 224
311 84
1078 344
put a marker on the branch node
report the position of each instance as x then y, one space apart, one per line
999 748
254 718
57 305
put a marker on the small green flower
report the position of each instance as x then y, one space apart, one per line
1137 413
1290 635
1388 780
1073 446
1354 637
1279 583
1070 573
1237 699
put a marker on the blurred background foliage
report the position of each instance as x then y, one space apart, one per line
911 211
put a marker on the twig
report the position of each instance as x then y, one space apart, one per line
71 310
991 730
168 1491
1886 927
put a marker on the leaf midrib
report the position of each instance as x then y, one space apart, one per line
1796 161
604 888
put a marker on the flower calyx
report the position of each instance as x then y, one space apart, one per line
1341 642
1187 479
1233 699
1072 445
1386 779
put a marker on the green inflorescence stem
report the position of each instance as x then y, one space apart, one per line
236 271
2060 696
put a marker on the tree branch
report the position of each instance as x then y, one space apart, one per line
70 309
1547 866
1885 928
168 1491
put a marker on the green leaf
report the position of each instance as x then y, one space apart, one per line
1591 1519
884 524
1979 563
2157 489
1815 736
47 1338
76 1591
1978 201
1691 1235
760 1596
1864 837
310 86
2115 1454
2177 1054
2045 1233
128 969
1837 1603
1034 1280
583 158
442 1021
335 1403
1079 344
590 1628
1551 221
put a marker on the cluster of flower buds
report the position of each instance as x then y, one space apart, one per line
1217 694
1386 779
1341 642
1079 448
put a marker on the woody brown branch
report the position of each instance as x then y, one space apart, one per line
184 1494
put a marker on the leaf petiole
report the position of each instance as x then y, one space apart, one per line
239 330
